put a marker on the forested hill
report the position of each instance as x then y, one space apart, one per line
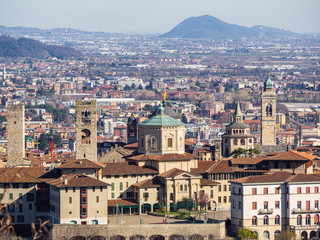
25 47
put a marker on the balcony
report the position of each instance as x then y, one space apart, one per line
304 210
265 211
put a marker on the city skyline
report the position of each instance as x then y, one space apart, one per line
157 17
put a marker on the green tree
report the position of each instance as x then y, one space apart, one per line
253 152
239 151
285 235
245 234
44 141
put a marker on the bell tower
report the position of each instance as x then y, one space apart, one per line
268 114
86 130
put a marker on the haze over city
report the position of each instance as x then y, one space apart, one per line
145 16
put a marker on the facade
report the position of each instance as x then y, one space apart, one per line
86 130
237 135
268 114
16 138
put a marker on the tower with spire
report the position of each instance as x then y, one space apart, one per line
237 134
268 113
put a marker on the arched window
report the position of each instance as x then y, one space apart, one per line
299 220
235 141
308 219
85 136
266 235
266 220
277 220
142 142
316 219
250 140
243 142
269 110
254 221
277 232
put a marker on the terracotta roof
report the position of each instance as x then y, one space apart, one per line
206 182
174 172
121 202
149 183
189 142
81 163
76 180
164 157
131 145
221 167
16 175
292 155
247 160
124 168
203 166
305 178
267 178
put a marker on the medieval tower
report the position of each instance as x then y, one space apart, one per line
86 130
268 114
132 130
16 138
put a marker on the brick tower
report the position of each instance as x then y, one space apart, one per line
268 114
86 130
16 138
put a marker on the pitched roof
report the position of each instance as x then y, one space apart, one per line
174 172
267 178
149 183
81 163
124 168
247 160
164 157
203 166
305 178
121 202
76 180
206 182
292 155
16 175
221 167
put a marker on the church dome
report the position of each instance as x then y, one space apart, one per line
167 110
268 84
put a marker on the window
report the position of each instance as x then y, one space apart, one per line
20 208
169 142
146 196
266 220
239 205
316 189
93 189
30 197
127 184
307 189
277 220
265 191
30 206
112 186
288 165
225 199
265 205
254 221
316 204
254 191
70 199
211 193
239 191
112 195
254 205
20 195
225 188
299 220
233 204
97 199
266 235
277 190
20 219
307 205
121 186
219 188
316 219
308 219
277 204
10 196
299 204
181 188
219 199
299 190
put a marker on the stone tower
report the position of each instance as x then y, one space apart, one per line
268 114
217 150
132 130
86 130
16 135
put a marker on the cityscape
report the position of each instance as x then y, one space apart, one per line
208 131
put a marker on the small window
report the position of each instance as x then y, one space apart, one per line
254 205
70 199
254 221
265 191
97 199
277 190
254 191
169 142
307 189
277 204
316 189
299 190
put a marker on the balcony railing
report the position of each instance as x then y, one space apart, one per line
304 210
265 211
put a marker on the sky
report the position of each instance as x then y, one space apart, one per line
158 16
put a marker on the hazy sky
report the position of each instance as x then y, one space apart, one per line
158 16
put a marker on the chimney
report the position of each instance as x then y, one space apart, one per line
66 181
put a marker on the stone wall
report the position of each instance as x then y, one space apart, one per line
146 231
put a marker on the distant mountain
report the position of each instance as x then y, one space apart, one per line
210 27
25 47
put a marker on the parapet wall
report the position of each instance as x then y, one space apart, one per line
141 232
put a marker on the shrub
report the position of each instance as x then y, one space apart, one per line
245 234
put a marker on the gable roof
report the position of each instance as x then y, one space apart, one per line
274 177
291 155
149 183
174 172
124 168
81 163
206 182
164 157
203 166
76 180
247 160
16 175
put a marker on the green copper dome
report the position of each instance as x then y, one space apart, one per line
161 120
268 83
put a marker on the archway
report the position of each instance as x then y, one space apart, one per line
277 232
157 237
304 235
176 237
313 234
196 237
117 237
266 235
146 207
156 206
97 237
78 238
137 237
